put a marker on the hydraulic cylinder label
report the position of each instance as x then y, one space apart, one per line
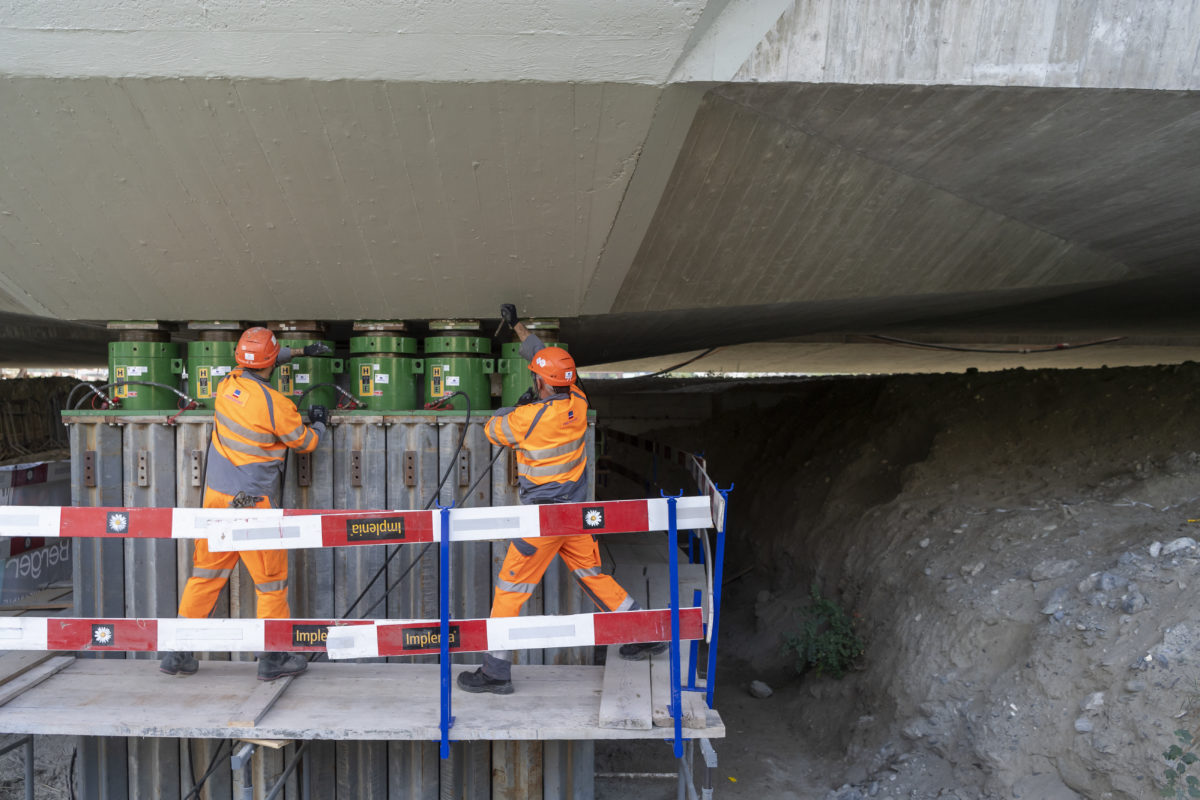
437 387
366 386
286 384
203 383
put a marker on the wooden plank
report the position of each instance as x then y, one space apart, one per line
256 706
340 702
32 677
49 599
625 696
17 662
693 707
274 744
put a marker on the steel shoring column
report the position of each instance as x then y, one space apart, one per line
27 743
444 612
718 567
673 547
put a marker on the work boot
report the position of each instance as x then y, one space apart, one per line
279 665
478 682
179 663
642 650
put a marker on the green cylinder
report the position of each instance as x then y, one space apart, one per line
207 365
459 364
384 372
157 362
308 380
514 372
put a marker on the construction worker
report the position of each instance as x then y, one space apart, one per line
549 436
253 428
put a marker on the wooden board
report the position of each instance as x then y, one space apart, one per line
34 676
259 702
15 663
625 696
53 598
111 697
694 709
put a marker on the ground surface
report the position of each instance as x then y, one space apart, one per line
1018 549
1019 552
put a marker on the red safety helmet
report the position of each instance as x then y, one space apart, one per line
555 365
257 349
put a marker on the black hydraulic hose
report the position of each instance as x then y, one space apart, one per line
98 389
212 767
396 548
78 386
347 395
1018 350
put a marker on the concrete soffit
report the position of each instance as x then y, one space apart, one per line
721 42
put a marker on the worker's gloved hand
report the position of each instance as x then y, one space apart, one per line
527 398
318 414
508 313
316 349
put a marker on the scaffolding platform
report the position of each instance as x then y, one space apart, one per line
130 697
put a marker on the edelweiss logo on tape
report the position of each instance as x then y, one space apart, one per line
102 635
425 638
307 635
593 516
116 522
370 530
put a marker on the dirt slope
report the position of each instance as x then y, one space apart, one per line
1018 549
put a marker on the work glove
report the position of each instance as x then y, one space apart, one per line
508 313
527 398
316 349
318 414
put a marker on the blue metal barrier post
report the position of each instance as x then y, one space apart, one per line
444 611
673 547
718 568
694 646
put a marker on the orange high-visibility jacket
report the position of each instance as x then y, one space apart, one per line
254 426
550 438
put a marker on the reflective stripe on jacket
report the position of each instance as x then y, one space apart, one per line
550 439
254 426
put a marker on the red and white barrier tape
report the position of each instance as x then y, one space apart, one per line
288 529
378 637
385 638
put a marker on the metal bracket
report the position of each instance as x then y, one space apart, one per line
304 469
89 469
143 468
410 468
356 468
513 475
464 467
197 465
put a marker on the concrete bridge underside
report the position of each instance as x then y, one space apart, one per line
663 176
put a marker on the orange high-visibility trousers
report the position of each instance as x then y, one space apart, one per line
527 560
211 571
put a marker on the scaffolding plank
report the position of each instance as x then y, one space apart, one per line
33 676
256 706
625 696
331 701
693 707
17 663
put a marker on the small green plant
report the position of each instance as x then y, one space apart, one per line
826 640
1180 757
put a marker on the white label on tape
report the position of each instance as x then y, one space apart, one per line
233 635
382 377
30 520
528 633
352 641
481 524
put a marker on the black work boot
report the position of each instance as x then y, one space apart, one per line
279 665
180 663
478 682
642 650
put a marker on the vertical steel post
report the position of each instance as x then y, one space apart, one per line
444 613
718 567
673 546
695 647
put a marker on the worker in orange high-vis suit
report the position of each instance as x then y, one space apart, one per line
253 428
549 435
